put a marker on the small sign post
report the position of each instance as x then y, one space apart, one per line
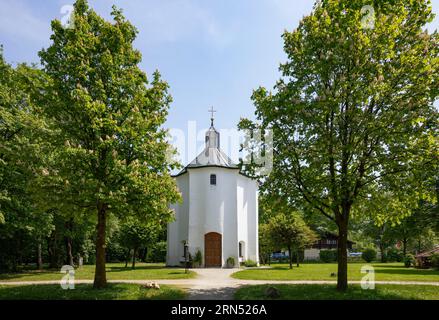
186 251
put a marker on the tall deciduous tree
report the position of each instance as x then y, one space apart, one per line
110 153
413 229
353 114
266 245
21 125
291 232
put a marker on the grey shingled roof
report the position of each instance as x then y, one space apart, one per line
212 155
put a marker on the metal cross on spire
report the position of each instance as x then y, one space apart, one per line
212 115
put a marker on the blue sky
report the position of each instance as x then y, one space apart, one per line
211 52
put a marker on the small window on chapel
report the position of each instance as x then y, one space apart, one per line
213 179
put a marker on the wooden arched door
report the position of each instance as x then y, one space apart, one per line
212 250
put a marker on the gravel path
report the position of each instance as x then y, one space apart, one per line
215 284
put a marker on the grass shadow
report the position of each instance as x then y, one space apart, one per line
180 272
329 292
118 269
139 268
406 271
223 293
87 292
20 275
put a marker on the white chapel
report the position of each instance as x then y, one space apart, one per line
219 212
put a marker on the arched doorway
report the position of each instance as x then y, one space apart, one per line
212 250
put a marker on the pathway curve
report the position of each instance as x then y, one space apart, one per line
216 284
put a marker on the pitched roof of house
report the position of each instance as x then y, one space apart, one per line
327 234
428 253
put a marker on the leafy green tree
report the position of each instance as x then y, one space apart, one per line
134 235
291 232
417 227
21 124
157 253
69 233
266 245
369 255
110 151
381 236
353 114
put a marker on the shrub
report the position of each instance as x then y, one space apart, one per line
157 253
328 255
394 254
369 255
409 260
230 262
435 260
250 263
88 251
198 259
115 252
190 260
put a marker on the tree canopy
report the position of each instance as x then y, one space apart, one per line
110 151
352 116
21 143
291 232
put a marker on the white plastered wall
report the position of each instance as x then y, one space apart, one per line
177 230
229 208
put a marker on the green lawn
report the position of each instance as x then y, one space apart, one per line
115 271
322 271
328 292
86 292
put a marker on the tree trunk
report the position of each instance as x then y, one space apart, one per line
53 250
49 252
342 255
69 255
68 242
39 255
404 247
382 253
15 264
290 256
127 257
100 280
19 254
134 258
145 254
